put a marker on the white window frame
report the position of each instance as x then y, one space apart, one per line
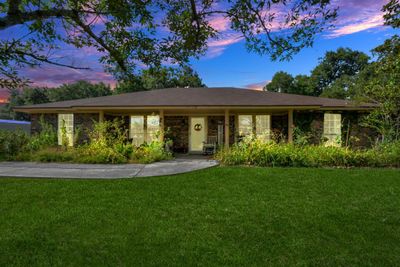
263 129
332 129
137 134
68 119
245 131
152 128
260 130
149 130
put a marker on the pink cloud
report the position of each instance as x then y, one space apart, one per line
51 76
257 86
218 46
354 27
356 16
220 23
226 40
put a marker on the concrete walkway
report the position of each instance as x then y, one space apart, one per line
102 171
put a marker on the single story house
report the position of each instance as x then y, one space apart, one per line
191 116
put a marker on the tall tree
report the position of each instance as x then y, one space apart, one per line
281 82
78 90
163 77
302 85
380 84
26 96
335 64
39 95
132 33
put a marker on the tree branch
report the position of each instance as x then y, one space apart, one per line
46 60
16 17
114 54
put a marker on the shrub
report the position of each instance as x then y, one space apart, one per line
54 155
96 154
12 143
255 152
107 143
150 152
47 137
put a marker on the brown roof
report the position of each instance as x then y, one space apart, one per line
186 97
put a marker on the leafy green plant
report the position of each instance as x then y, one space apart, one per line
64 136
254 152
301 137
150 152
12 143
47 137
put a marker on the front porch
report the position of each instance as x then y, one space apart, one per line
189 128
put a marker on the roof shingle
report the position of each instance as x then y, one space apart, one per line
184 97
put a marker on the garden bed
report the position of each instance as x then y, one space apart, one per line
257 153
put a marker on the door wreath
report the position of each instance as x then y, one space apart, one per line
197 127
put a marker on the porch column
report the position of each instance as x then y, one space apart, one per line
101 116
161 114
290 126
226 129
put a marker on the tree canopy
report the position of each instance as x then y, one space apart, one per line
332 77
392 13
136 33
282 82
335 65
380 84
39 95
158 78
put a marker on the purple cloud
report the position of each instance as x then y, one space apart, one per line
51 76
357 15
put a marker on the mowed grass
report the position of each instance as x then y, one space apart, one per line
223 216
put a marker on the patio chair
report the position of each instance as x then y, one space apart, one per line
210 147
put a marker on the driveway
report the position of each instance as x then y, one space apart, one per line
102 171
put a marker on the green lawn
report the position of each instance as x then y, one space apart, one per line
220 216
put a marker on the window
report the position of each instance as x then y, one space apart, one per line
153 128
66 121
137 130
332 128
263 127
245 125
139 133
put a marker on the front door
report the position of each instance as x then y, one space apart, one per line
197 133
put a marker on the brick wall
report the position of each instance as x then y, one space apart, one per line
212 125
353 133
50 118
83 123
178 132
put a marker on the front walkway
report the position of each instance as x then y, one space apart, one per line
102 171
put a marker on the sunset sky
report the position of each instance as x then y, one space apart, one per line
227 63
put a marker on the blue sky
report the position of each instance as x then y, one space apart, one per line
359 26
236 67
